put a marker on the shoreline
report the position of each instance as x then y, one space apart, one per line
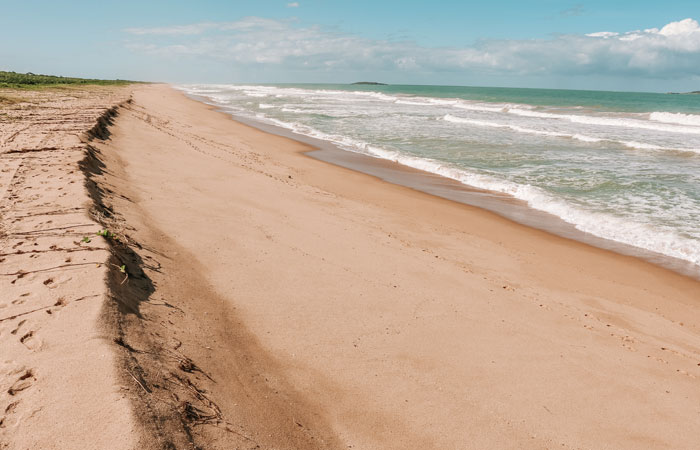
503 205
392 318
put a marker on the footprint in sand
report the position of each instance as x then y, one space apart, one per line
52 283
21 299
19 325
30 341
9 409
26 380
60 303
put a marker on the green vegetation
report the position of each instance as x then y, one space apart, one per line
33 81
105 234
108 235
122 269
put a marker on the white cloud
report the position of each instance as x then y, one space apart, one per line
603 34
293 5
670 52
685 26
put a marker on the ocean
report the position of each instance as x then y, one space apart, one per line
621 166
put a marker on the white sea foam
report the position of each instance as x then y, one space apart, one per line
471 106
482 123
677 118
410 102
266 106
584 138
658 121
643 146
576 136
377 95
607 121
454 103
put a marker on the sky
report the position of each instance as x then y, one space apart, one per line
622 45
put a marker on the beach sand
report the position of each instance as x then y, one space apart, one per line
59 383
277 301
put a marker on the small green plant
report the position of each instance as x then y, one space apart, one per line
86 239
122 269
106 234
109 235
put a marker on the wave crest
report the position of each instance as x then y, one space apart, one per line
676 118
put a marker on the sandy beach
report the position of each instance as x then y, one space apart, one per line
247 295
58 373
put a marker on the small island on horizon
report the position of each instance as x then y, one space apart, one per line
370 83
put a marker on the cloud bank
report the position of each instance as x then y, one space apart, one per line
671 52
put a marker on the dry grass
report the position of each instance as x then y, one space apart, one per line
10 99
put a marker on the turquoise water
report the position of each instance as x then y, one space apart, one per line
622 166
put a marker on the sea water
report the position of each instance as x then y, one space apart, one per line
622 166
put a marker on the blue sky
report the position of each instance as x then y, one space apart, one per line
652 46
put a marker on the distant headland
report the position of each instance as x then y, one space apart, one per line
371 83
